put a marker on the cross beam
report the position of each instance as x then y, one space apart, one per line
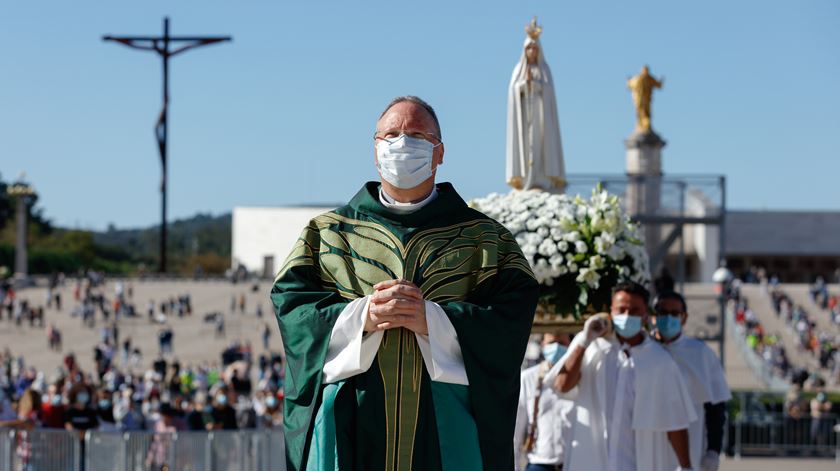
165 46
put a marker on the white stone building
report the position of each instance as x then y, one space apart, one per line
263 236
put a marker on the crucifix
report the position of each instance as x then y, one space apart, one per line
165 46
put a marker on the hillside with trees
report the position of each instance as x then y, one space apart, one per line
200 242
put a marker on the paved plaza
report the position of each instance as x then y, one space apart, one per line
779 464
194 340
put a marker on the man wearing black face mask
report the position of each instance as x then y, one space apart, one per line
223 415
404 316
80 416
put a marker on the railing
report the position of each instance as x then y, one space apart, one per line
699 196
774 434
48 450
257 450
751 433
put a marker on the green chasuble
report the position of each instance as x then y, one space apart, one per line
393 417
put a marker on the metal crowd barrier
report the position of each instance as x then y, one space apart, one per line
775 434
765 434
251 450
5 450
47 450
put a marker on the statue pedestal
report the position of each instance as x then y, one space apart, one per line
644 153
644 169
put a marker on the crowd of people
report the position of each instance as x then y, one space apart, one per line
825 300
238 392
19 310
242 390
245 391
96 307
816 410
767 345
822 344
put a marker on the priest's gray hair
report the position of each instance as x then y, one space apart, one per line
419 102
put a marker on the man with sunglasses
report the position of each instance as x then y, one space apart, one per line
704 377
632 408
404 316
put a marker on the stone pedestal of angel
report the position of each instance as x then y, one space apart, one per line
534 151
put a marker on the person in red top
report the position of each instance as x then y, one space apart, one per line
52 408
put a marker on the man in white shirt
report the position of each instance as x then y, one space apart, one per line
632 409
542 418
703 375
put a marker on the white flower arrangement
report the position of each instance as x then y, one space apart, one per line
577 248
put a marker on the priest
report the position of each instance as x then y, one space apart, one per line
404 316
632 408
704 377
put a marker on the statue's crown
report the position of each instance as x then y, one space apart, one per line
533 29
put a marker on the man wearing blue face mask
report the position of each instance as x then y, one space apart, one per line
704 377
632 409
542 418
405 316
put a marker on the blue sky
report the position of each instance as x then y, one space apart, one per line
284 114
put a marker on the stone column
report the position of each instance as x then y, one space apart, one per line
21 265
22 193
644 170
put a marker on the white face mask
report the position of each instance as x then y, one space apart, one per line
406 161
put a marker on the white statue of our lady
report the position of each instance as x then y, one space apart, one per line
534 152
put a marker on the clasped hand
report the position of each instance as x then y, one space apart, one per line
397 303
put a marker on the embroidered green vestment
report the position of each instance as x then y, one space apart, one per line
385 418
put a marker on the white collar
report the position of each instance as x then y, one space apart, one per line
389 202
628 347
676 341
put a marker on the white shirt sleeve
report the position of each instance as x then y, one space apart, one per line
440 349
350 351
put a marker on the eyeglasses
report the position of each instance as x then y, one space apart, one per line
391 135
